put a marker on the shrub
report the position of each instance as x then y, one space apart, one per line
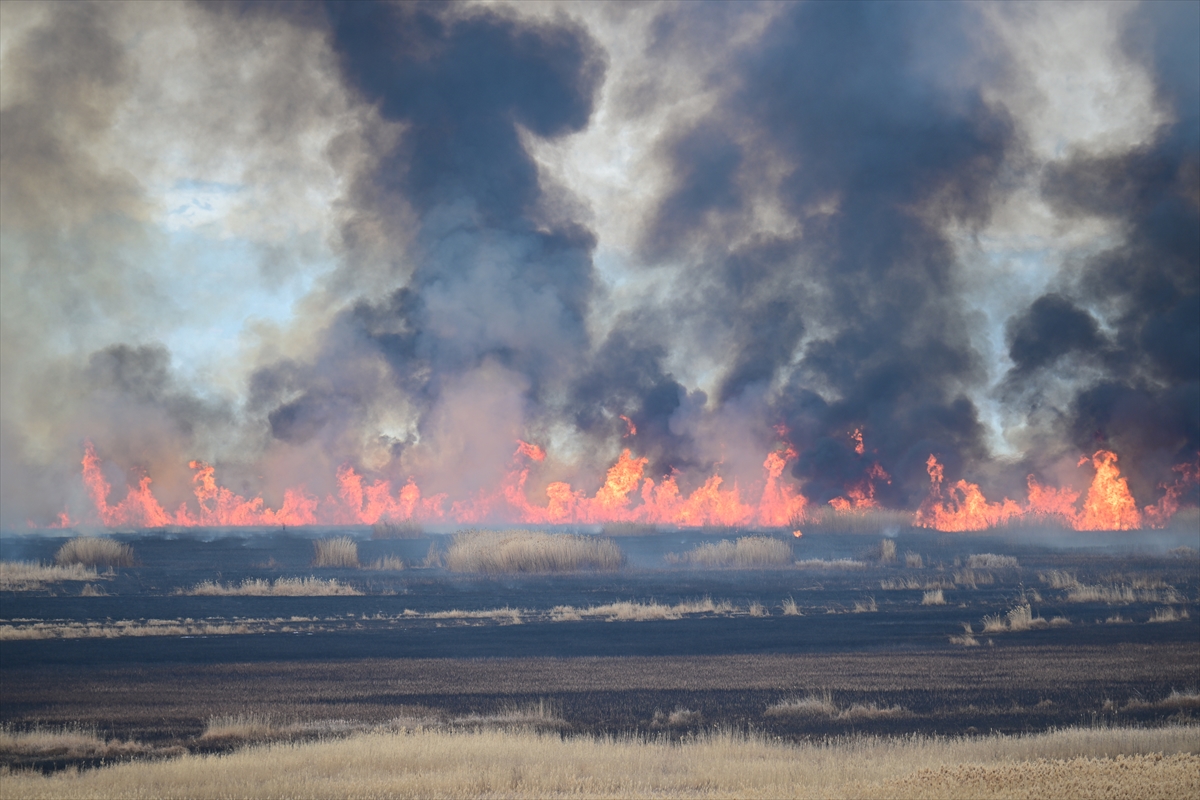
748 552
519 551
92 551
340 551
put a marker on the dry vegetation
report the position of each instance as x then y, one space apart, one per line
628 611
396 530
388 564
127 627
26 576
823 706
835 563
1018 618
92 551
338 551
748 552
933 598
515 761
280 587
914 561
887 551
65 742
519 551
991 561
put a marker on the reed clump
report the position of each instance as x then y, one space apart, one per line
991 561
338 551
524 551
93 551
748 552
27 576
933 598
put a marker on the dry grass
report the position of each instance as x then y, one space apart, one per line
123 628
519 551
396 530
66 742
679 718
280 587
933 598
836 563
1058 579
627 611
1121 595
873 522
971 579
506 615
991 561
92 551
496 760
748 552
1168 614
26 576
790 609
887 551
338 551
914 561
239 728
388 563
822 705
757 609
540 715
1019 618
866 605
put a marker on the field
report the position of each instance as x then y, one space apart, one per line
218 640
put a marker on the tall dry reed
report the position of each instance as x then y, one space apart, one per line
92 551
522 551
338 551
25 576
748 552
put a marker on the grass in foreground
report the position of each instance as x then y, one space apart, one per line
508 552
518 762
26 576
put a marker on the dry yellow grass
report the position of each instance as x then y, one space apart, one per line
280 587
991 561
521 551
887 551
914 561
26 576
338 551
396 530
748 552
501 761
1019 618
1168 614
836 563
933 598
122 628
630 611
1121 594
68 742
92 551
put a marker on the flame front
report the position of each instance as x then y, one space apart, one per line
628 495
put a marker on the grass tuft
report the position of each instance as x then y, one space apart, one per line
934 598
339 551
26 576
887 551
92 551
388 563
991 561
396 530
914 561
748 552
790 609
521 551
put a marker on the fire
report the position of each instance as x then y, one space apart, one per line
857 436
1108 506
626 495
860 497
629 423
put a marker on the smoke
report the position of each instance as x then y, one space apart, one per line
283 238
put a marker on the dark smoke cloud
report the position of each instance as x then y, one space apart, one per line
1146 401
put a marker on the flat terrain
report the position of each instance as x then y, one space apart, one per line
844 640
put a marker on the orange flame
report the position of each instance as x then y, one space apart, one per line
632 427
626 495
857 436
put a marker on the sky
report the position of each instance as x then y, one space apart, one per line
283 238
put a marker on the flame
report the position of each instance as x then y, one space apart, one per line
861 495
1108 506
857 436
632 427
626 495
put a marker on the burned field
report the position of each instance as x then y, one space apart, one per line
217 638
